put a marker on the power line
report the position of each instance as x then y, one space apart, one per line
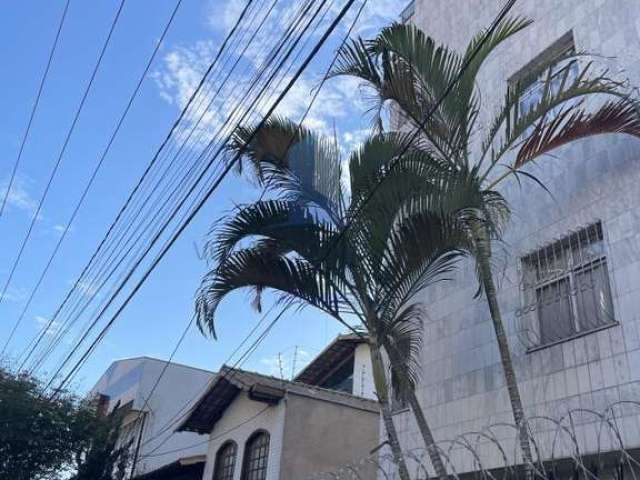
36 213
43 80
178 416
177 209
301 121
231 129
93 176
447 91
210 191
194 125
150 165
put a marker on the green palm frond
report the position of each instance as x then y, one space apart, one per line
294 226
403 344
259 269
293 160
421 250
392 80
267 148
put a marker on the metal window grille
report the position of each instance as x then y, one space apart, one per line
567 285
225 462
256 454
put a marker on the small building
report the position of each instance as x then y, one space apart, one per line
266 428
150 394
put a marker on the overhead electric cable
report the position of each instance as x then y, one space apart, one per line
173 420
208 194
92 177
69 133
36 103
152 162
156 213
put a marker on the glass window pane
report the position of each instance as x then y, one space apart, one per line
225 462
554 311
593 297
255 457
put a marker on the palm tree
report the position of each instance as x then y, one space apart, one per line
312 242
409 72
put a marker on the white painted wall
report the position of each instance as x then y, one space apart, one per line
362 373
133 379
241 419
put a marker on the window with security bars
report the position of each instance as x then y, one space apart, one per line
225 462
256 454
567 285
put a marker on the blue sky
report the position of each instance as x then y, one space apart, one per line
155 318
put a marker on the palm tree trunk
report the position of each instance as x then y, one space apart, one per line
418 413
387 419
483 258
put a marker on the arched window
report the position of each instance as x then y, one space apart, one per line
256 453
225 462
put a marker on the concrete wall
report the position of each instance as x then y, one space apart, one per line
133 379
321 436
243 417
462 388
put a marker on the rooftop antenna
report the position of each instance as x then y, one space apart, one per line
293 363
280 366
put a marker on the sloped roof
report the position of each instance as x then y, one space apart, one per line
230 382
331 357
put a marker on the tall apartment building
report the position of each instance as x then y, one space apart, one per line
568 271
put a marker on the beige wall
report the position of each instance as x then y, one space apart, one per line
321 436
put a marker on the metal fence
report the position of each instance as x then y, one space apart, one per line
581 444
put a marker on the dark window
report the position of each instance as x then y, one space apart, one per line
256 454
567 285
225 462
342 378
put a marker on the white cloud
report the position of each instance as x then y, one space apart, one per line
13 295
42 322
339 101
87 288
19 197
376 15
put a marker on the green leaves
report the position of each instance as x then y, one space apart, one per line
261 269
50 438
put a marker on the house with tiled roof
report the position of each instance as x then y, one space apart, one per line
266 428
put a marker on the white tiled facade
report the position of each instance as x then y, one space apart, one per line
243 418
462 387
362 373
